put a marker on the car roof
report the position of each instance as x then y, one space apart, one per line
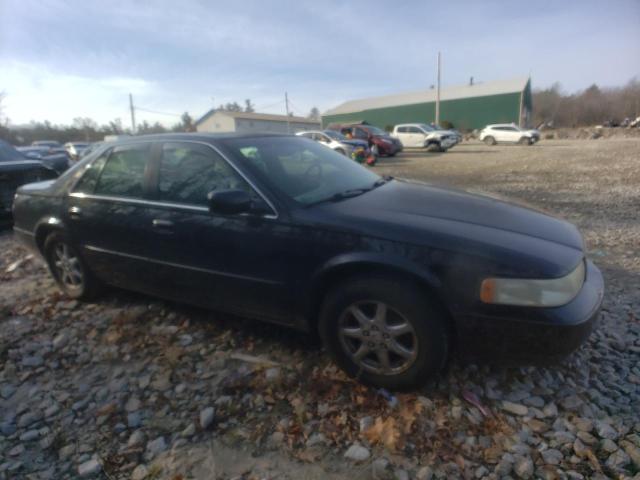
200 136
501 125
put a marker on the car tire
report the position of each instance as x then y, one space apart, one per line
525 141
489 140
381 309
68 268
341 151
433 147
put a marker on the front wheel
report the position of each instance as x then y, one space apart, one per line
525 141
384 332
433 147
68 268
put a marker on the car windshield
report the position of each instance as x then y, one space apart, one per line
426 128
376 130
335 135
8 153
302 170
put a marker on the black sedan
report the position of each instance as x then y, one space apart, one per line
395 275
16 170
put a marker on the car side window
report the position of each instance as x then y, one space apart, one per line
123 174
359 133
401 130
413 130
89 179
189 172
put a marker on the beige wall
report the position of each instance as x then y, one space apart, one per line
220 122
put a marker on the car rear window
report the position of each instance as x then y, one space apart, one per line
123 174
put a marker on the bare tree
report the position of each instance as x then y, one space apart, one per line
314 114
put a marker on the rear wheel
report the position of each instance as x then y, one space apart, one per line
384 332
489 140
68 268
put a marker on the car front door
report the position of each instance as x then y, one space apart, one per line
106 213
222 261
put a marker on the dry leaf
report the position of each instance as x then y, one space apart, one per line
385 432
409 413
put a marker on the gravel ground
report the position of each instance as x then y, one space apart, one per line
133 387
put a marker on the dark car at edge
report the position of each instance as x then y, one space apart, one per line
395 275
17 170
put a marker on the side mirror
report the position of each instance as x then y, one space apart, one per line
229 202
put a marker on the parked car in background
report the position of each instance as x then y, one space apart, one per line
75 149
46 143
90 149
508 133
420 135
16 170
59 161
338 142
394 275
374 136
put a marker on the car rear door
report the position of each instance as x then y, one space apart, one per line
402 134
416 137
106 213
222 261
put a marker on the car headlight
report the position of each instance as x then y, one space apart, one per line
533 292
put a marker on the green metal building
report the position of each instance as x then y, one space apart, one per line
466 107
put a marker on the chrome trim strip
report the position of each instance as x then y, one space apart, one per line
23 231
178 265
139 201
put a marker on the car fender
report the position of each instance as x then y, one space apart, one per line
354 261
44 226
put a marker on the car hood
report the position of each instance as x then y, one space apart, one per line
449 219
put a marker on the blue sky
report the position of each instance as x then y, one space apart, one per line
64 59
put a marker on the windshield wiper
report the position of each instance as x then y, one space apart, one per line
354 192
382 181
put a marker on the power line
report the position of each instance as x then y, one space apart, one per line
269 106
158 112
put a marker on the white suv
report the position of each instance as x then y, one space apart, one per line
508 133
420 135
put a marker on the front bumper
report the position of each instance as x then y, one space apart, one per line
526 335
389 148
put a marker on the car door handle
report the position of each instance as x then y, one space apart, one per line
159 223
75 212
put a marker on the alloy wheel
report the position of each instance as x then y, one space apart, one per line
378 338
67 266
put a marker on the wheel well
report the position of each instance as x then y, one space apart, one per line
343 273
41 236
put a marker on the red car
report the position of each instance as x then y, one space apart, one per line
386 144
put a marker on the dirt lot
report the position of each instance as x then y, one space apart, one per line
132 387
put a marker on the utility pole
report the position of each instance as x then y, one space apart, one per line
286 106
133 115
438 94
